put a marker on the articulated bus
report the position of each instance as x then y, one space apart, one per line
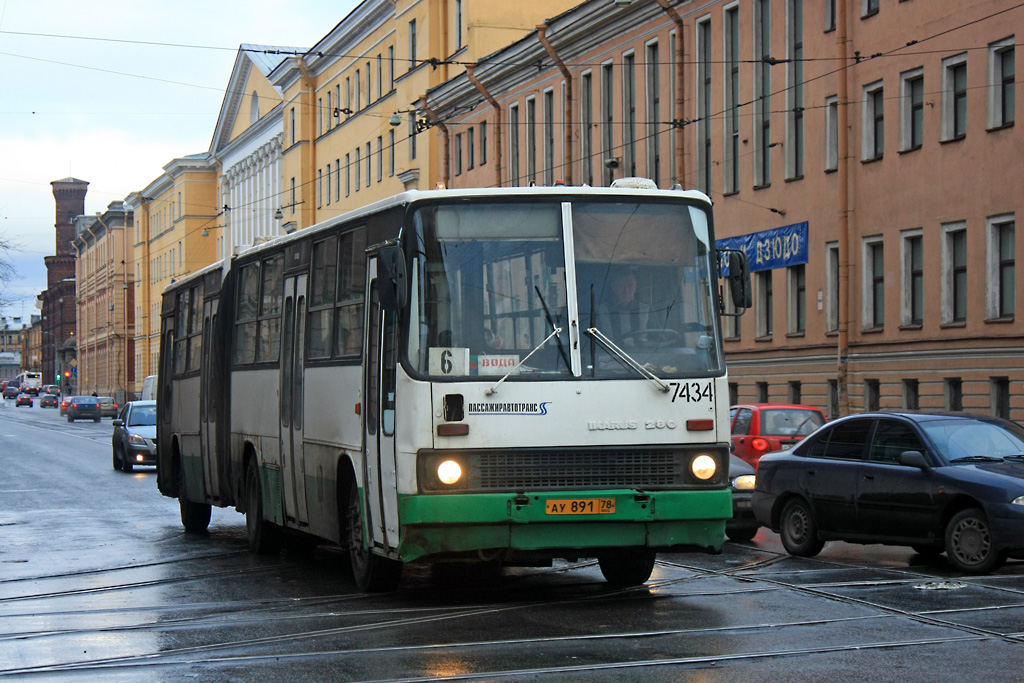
442 377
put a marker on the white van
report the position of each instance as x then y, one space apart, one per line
149 388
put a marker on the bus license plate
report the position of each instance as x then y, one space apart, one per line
580 506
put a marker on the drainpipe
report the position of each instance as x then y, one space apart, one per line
543 38
680 112
497 120
446 163
843 212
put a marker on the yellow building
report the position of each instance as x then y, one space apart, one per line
355 127
177 225
101 279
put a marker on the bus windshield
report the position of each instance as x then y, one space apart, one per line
490 285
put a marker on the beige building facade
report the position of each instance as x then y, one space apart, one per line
104 303
865 151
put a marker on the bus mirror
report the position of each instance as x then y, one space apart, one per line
739 280
391 276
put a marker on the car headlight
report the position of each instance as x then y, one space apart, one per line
136 440
703 467
744 482
1018 501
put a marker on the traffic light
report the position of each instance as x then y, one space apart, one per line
67 374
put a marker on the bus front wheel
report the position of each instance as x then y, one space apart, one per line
372 573
627 569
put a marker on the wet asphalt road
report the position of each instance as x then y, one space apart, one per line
98 582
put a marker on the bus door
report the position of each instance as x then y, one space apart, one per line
207 411
379 471
293 346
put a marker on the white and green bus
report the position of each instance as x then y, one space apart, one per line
442 376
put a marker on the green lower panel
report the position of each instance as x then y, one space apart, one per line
446 524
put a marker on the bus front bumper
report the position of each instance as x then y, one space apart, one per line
561 524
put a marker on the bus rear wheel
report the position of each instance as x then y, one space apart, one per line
372 573
264 537
195 517
627 569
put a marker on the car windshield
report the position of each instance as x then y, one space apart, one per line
959 439
790 421
144 416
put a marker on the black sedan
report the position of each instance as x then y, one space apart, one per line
934 482
83 407
134 438
743 526
48 401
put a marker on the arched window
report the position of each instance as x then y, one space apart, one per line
254 108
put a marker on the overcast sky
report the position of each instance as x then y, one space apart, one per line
79 100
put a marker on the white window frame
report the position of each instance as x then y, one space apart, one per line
867 311
731 153
763 308
992 291
907 108
906 273
831 286
995 90
947 267
948 99
867 137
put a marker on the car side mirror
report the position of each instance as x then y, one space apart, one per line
391 278
914 459
118 423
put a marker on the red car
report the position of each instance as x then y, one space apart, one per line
760 428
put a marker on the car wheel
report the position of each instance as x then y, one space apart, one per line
70 419
799 531
627 569
127 466
117 461
742 535
969 543
195 517
372 573
264 537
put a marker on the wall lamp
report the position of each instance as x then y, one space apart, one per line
420 125
338 111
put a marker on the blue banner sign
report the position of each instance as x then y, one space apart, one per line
768 249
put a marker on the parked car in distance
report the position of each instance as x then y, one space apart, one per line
84 407
134 439
24 399
759 428
11 391
950 483
107 407
743 526
48 401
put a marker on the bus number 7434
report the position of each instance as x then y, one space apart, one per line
691 392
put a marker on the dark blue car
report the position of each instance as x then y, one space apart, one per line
950 483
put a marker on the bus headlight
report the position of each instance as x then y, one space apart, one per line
703 467
449 472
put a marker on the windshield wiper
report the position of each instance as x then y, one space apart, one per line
547 314
978 458
598 335
555 333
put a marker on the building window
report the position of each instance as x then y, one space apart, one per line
1001 397
954 389
1002 267
380 76
513 144
734 393
358 166
762 392
873 134
795 89
830 15
348 175
654 124
412 135
380 158
833 399
294 202
872 395
868 8
874 283
1002 91
359 90
911 394
763 91
369 162
954 97
832 286
831 133
730 323
954 267
549 137
291 123
607 120
391 68
531 140
795 392
458 24
457 153
704 117
732 100
483 143
629 114
412 45
337 180
587 128
797 286
764 304
913 278
391 152
911 109
470 148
